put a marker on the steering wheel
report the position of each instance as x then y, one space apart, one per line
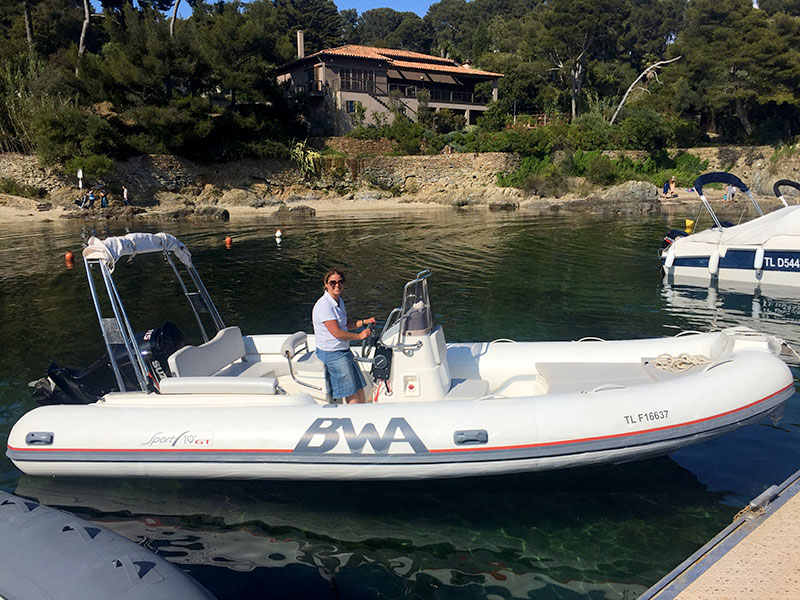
369 342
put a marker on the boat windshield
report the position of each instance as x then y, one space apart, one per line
416 316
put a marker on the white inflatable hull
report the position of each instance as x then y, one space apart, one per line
549 405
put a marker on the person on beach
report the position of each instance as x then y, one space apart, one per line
730 195
125 201
669 188
90 198
331 329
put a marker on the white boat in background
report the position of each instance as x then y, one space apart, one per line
255 406
764 251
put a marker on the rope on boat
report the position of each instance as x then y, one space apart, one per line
679 364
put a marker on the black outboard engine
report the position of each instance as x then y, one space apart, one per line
673 235
71 386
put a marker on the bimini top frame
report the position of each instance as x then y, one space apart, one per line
722 177
117 330
776 189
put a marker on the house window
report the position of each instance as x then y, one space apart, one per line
357 80
351 106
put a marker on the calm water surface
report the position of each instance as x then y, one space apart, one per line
601 533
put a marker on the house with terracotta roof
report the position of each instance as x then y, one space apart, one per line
376 77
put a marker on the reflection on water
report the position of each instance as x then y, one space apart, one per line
603 530
606 532
775 311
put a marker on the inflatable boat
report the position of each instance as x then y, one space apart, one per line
257 406
763 251
47 554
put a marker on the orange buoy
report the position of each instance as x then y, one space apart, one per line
69 259
228 241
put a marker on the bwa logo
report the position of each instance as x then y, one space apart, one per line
324 435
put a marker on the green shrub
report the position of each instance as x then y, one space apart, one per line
529 167
644 130
601 170
407 134
589 132
69 132
445 121
9 186
93 165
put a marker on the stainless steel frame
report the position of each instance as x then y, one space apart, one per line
117 329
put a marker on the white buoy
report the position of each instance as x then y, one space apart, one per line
278 233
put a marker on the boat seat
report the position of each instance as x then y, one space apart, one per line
466 389
219 385
306 364
221 356
584 377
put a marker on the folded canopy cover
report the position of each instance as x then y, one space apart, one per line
112 249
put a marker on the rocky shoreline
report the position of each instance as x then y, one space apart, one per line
174 188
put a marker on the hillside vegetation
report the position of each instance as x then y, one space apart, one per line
85 89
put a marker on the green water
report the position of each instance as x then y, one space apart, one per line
607 532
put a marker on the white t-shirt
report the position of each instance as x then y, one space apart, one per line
326 309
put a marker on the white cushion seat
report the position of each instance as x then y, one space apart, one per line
247 369
221 356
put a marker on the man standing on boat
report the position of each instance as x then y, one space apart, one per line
333 340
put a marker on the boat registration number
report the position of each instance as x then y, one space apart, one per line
655 415
779 262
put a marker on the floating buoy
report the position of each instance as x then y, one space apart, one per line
228 241
278 233
69 259
689 225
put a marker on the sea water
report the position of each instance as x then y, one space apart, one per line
605 532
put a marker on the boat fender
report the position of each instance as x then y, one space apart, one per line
758 260
670 260
713 262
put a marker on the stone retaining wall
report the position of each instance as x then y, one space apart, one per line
447 178
153 179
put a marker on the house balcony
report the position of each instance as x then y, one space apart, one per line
314 88
437 96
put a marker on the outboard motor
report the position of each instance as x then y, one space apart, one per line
673 235
72 386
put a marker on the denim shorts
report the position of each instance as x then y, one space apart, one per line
341 372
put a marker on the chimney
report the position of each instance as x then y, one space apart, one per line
301 50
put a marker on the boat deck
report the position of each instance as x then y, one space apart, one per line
755 557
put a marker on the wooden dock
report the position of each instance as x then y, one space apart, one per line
757 557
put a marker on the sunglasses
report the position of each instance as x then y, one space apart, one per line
335 282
